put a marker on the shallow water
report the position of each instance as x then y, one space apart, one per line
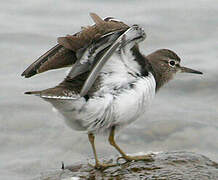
184 115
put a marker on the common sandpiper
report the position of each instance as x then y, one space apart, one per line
110 84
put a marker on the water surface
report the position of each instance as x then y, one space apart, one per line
184 115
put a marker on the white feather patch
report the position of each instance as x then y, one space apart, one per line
101 113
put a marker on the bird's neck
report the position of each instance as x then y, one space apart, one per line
159 78
151 64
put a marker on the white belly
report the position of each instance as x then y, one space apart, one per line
115 107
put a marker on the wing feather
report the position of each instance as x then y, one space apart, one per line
56 57
86 60
64 53
133 33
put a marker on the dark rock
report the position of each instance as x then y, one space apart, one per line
166 165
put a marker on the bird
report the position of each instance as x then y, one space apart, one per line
110 83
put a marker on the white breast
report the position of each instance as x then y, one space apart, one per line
117 107
123 97
133 103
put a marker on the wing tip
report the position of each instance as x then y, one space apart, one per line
97 19
37 93
28 92
28 73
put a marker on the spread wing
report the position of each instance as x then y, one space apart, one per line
83 65
91 62
66 52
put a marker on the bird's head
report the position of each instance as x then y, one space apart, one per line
166 64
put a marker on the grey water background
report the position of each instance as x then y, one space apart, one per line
183 116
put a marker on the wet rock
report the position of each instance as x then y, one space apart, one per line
166 165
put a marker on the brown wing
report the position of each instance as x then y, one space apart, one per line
69 86
56 57
64 53
72 84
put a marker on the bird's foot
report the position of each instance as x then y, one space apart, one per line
102 166
147 158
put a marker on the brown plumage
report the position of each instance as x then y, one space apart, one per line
65 52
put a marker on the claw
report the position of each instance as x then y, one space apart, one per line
101 166
147 158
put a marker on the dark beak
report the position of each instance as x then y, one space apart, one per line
188 70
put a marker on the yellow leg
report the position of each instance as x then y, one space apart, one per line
124 155
98 165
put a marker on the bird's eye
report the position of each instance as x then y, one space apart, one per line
172 63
